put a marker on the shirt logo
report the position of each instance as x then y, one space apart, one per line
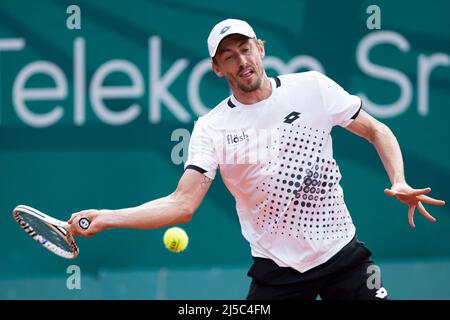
236 138
291 117
225 29
381 293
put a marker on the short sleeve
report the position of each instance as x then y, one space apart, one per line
340 106
201 153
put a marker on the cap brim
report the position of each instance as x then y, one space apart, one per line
226 35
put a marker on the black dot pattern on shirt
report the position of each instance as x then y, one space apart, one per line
304 199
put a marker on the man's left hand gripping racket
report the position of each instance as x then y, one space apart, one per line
49 232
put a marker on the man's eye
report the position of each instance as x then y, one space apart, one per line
228 58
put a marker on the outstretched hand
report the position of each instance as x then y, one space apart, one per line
413 198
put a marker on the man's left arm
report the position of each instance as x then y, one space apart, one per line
389 151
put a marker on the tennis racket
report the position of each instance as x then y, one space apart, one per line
49 232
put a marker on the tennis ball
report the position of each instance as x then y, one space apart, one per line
176 239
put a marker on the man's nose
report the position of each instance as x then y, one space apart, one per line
242 60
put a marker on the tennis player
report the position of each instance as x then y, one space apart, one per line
271 141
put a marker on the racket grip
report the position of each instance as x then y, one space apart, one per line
84 223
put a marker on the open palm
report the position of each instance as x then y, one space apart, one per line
413 198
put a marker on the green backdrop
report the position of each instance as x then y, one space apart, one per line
65 145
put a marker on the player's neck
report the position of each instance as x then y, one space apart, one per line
255 96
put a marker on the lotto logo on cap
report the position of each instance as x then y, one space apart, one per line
225 28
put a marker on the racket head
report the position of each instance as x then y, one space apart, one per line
51 233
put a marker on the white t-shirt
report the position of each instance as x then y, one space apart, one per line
276 159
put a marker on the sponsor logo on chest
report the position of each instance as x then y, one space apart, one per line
236 138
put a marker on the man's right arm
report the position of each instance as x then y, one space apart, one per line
176 208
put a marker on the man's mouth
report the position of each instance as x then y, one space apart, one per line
246 74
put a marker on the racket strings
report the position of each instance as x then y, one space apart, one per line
46 233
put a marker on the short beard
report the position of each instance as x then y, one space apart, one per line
250 87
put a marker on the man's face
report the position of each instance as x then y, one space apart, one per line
239 60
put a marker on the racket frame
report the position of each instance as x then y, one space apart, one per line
58 226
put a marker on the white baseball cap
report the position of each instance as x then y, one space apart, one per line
225 28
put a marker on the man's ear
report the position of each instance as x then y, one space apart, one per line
216 69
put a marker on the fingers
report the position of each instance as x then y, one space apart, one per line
411 216
415 192
419 195
418 192
390 192
73 223
75 229
74 226
430 200
76 214
413 198
424 212
95 224
72 217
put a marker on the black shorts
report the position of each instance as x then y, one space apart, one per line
349 274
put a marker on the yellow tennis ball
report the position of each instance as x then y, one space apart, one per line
176 239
